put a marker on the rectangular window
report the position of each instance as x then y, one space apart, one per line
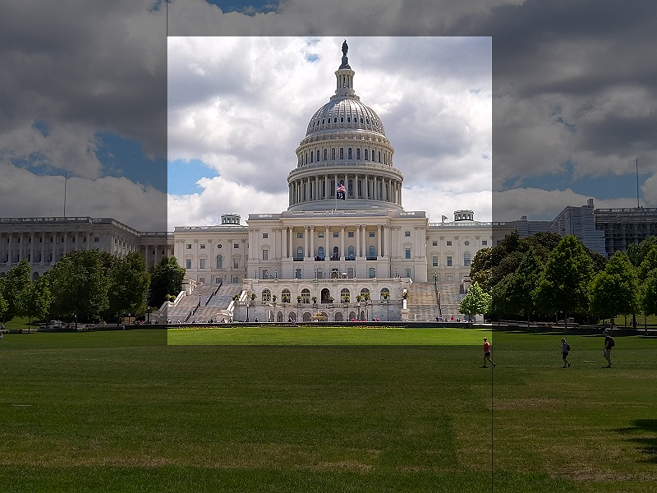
202 246
299 235
434 261
297 274
484 242
236 263
201 279
236 245
96 239
434 242
201 263
350 234
188 263
265 235
407 253
336 234
449 242
449 261
450 277
372 234
320 234
265 255
407 234
409 273
188 246
371 273
236 280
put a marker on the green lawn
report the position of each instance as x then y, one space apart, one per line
377 410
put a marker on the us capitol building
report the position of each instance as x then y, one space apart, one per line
344 249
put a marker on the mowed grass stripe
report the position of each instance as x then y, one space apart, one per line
316 336
324 418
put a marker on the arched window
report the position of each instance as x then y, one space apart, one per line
325 154
385 294
220 262
336 254
317 155
305 295
349 153
311 156
358 153
285 296
365 294
333 153
320 252
372 254
345 296
350 189
350 253
367 154
466 259
341 152
266 295
379 156
299 253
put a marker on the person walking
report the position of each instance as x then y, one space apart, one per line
565 349
486 348
609 343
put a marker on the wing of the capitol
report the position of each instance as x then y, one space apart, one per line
345 248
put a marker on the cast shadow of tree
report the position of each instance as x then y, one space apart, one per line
647 441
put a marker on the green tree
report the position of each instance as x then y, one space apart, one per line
13 287
475 301
166 279
649 295
128 286
35 301
563 286
648 264
638 252
500 305
481 268
615 290
4 306
79 285
522 284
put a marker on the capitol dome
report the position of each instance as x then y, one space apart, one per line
345 151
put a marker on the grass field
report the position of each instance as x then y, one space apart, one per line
381 411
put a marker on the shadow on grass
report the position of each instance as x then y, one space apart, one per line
647 444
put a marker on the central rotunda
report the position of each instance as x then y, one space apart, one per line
345 160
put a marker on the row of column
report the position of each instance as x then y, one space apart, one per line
382 238
323 187
16 249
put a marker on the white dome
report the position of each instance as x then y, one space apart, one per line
345 113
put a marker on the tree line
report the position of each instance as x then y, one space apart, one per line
545 275
90 286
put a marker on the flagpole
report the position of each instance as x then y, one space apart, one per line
65 183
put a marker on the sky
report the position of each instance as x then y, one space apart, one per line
239 107
86 91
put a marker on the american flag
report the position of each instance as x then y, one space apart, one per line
341 191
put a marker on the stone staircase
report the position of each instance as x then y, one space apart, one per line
211 299
423 301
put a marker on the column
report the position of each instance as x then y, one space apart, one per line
342 255
43 248
312 242
358 227
327 252
378 239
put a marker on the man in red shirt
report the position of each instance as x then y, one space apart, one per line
487 353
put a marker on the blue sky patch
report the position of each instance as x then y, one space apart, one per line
183 176
248 7
313 57
42 128
123 157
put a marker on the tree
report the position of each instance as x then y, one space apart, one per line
13 287
79 285
649 295
648 264
615 290
563 286
35 301
128 286
481 270
166 279
522 284
637 252
4 306
475 301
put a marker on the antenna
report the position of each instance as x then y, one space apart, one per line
637 182
65 183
